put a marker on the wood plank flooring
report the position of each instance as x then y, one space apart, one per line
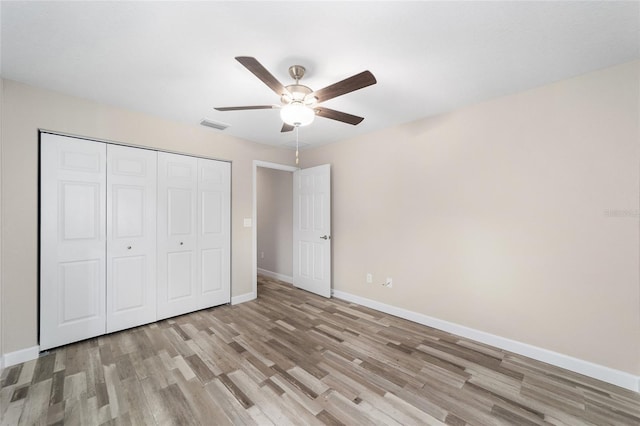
292 358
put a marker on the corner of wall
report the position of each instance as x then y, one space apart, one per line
275 275
20 356
247 297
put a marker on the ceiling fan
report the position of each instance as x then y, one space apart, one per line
299 104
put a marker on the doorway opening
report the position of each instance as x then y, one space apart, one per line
272 219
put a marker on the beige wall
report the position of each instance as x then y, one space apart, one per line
494 216
25 109
275 220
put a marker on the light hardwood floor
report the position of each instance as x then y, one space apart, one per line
290 357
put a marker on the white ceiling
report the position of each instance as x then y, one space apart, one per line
176 59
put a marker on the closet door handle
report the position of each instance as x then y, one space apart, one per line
181 243
129 248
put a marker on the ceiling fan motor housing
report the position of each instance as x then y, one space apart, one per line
298 93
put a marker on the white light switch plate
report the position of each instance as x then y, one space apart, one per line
247 222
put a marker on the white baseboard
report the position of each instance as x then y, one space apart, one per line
235 300
600 372
275 275
23 355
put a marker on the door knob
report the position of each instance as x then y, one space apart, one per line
181 243
325 237
129 248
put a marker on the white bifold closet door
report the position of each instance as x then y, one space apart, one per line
98 239
128 236
131 237
72 229
193 234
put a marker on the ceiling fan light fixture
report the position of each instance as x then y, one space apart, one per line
310 100
297 114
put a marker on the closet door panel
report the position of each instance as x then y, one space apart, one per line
128 292
79 281
72 240
214 243
131 237
179 274
177 203
212 271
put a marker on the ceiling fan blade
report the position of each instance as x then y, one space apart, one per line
356 82
286 127
338 115
242 108
261 72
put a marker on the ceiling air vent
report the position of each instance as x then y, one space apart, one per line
214 124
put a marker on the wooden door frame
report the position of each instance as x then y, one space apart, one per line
254 243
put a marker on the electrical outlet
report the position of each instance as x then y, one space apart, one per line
369 278
389 282
261 255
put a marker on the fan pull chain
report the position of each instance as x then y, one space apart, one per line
297 127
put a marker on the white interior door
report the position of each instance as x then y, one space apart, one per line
72 240
312 229
177 234
214 233
131 237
